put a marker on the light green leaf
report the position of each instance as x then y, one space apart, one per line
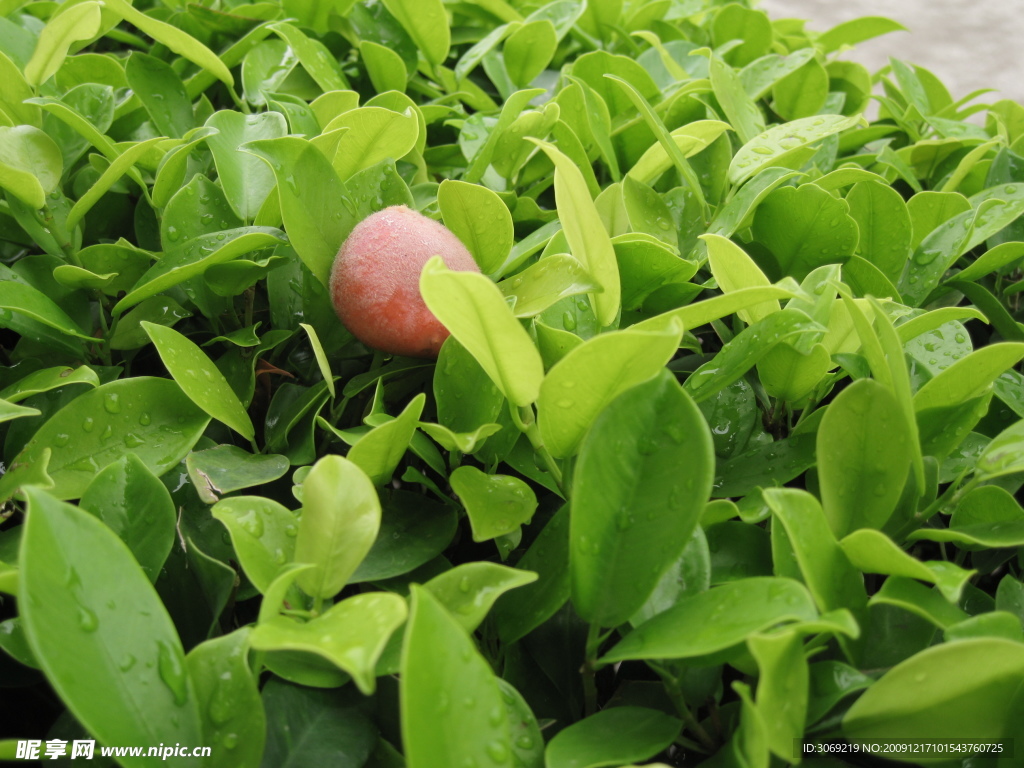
351 634
125 162
77 22
246 180
473 309
263 534
968 377
593 374
426 21
743 113
469 590
734 270
588 239
480 219
340 519
374 134
528 51
496 504
546 282
30 164
199 378
378 452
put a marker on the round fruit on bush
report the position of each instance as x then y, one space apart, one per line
375 281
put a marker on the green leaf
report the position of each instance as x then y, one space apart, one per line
199 378
379 451
350 634
313 212
588 239
374 134
226 468
246 180
690 139
969 377
801 93
528 51
108 178
593 374
194 257
734 270
740 609
473 309
805 537
162 94
1003 455
874 552
305 726
340 519
126 681
545 283
863 457
226 691
78 22
177 40
970 688
384 66
782 688
316 59
744 115
263 534
857 31
30 164
452 710
146 416
885 226
23 299
781 143
612 737
480 219
805 227
426 21
9 411
469 590
632 514
136 506
496 504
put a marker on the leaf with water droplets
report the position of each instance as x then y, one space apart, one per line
970 688
864 453
496 504
199 378
263 533
246 180
632 511
231 712
351 634
340 520
149 417
80 585
716 621
469 590
452 710
613 736
379 451
480 219
136 506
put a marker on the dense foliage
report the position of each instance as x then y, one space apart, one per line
722 453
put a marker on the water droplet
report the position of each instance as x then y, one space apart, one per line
127 662
133 441
497 751
173 234
565 403
87 620
230 740
88 424
221 706
569 321
524 742
112 403
145 419
172 671
464 584
959 338
61 440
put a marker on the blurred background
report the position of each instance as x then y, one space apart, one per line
968 44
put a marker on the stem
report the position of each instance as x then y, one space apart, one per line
689 719
589 670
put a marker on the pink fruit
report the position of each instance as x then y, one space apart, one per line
375 280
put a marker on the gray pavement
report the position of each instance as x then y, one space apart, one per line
968 44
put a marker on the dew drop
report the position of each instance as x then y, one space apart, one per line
145 419
172 671
87 620
112 403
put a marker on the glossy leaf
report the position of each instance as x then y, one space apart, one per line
590 376
199 378
496 504
263 534
451 705
632 515
781 142
77 579
340 519
475 312
479 218
611 737
468 591
246 179
148 417
378 452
